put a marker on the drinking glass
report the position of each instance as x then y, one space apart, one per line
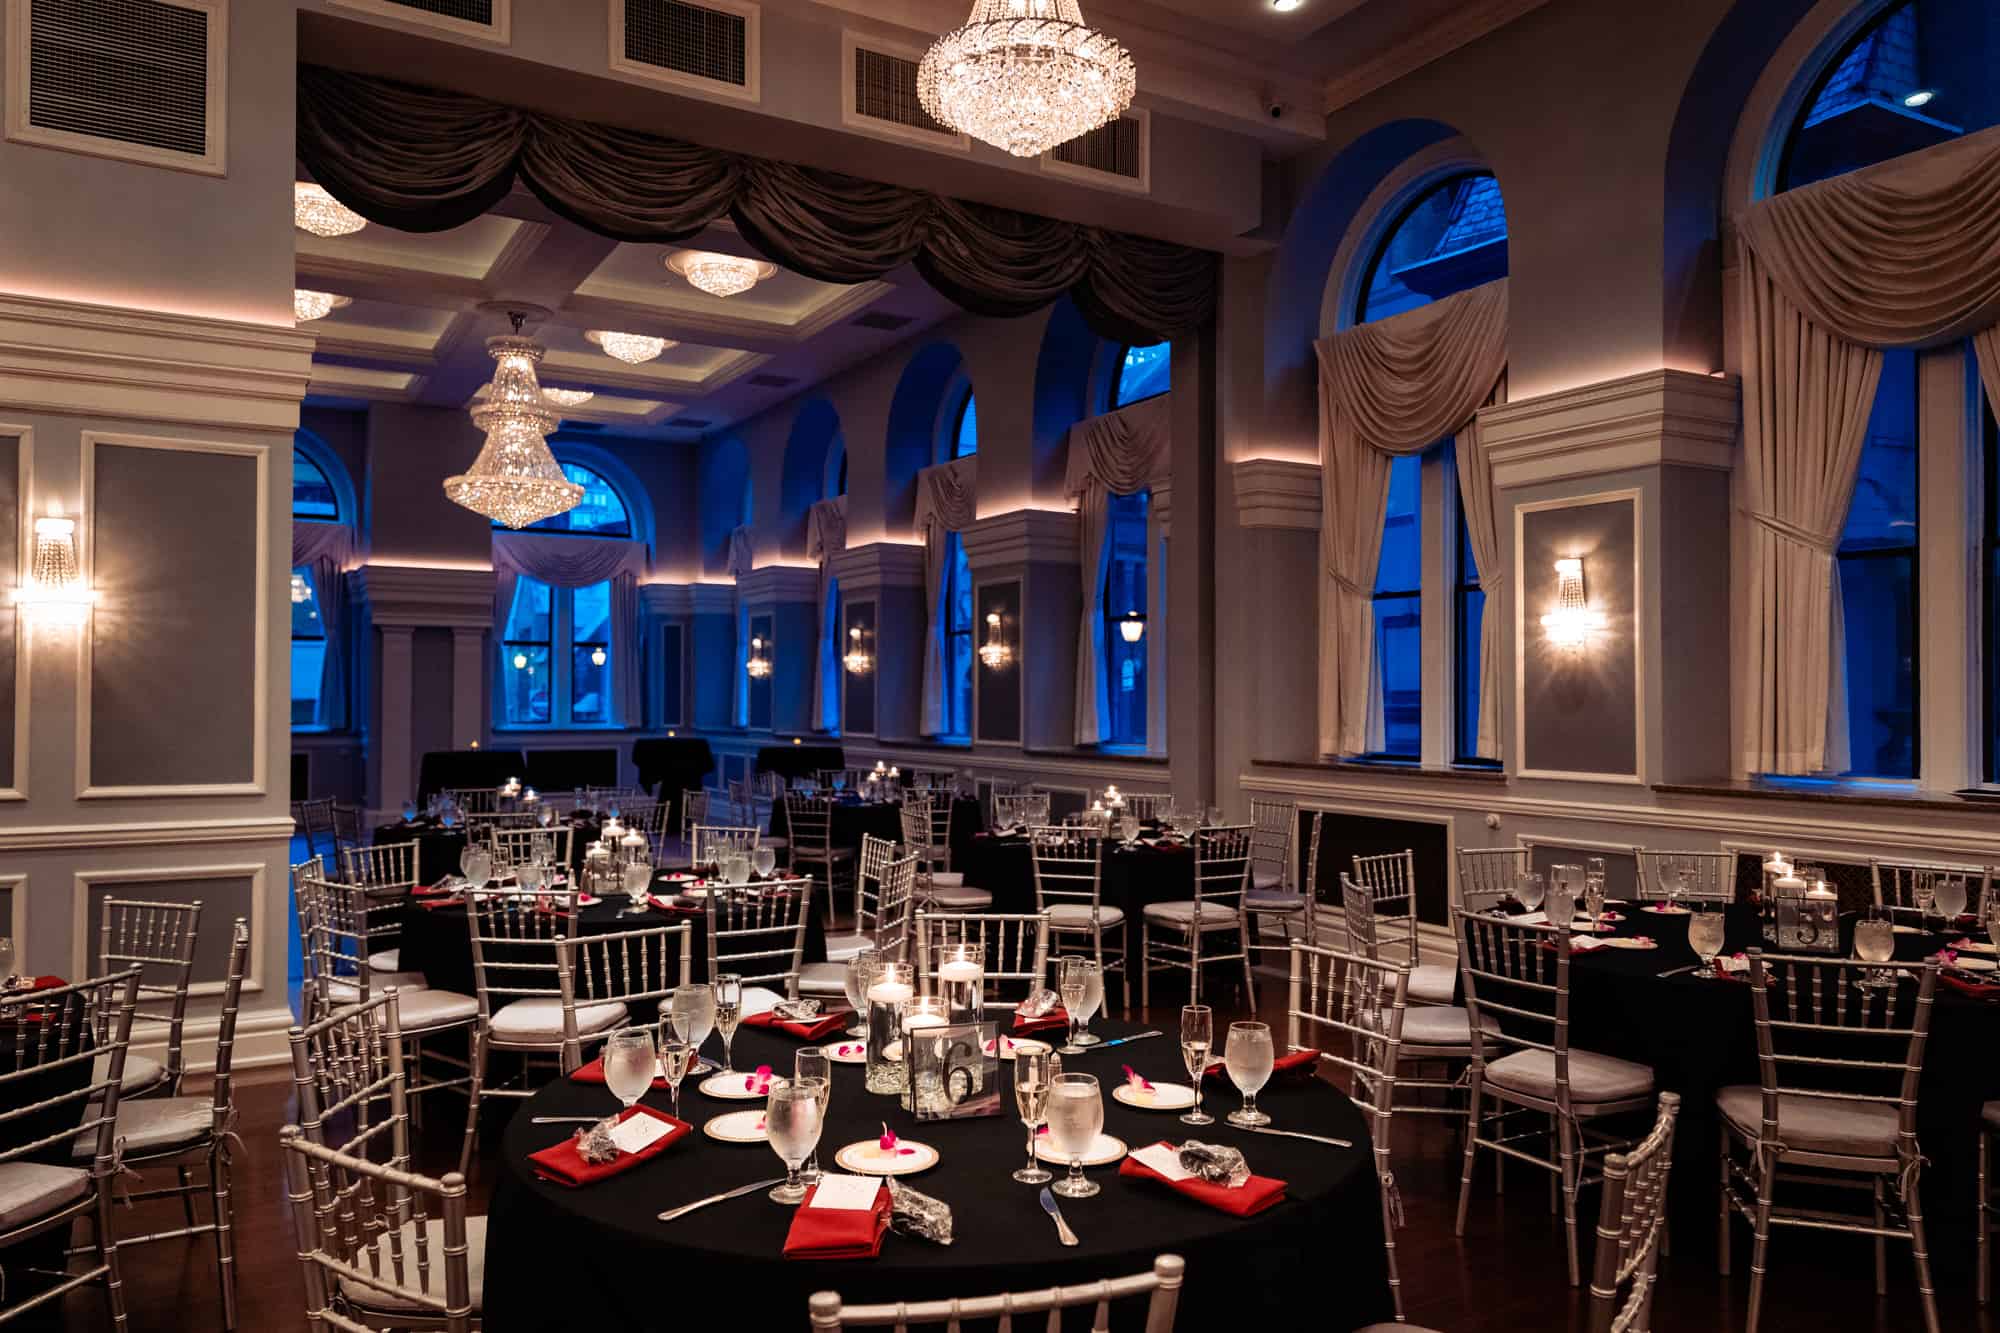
1531 889
1990 911
1072 985
1561 902
792 1123
675 1058
6 961
630 1061
1705 935
1950 898
728 1012
638 884
1594 866
1033 1072
1093 1000
465 855
1197 1040
1075 1113
1676 886
409 812
545 816
764 860
1875 942
477 863
1128 829
1924 891
693 1012
811 1066
858 976
1247 1056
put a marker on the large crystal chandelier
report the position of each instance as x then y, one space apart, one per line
318 212
632 348
719 275
515 479
1026 75
308 306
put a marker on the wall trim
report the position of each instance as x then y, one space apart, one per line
1652 419
24 662
1021 537
164 833
17 912
1277 493
876 566
424 597
774 584
81 945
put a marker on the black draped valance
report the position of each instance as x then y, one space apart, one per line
421 159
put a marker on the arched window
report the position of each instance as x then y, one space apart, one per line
313 496
1141 373
601 512
1126 540
1450 237
963 438
315 499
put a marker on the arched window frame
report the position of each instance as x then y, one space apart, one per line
1115 392
312 712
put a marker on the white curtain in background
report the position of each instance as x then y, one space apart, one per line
324 551
1986 344
1394 386
947 502
1093 691
742 558
826 537
1482 531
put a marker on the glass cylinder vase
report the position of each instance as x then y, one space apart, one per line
889 993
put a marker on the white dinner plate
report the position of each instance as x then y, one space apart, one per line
733 1087
737 1127
1013 1046
850 1051
1908 930
1104 1152
1974 946
867 1158
1163 1097
1976 965
1666 911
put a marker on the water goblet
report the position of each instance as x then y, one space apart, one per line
1033 1072
1705 931
1875 942
630 1061
1531 889
792 1123
811 1065
1247 1056
764 860
692 1009
1950 898
675 1058
1197 1041
856 978
1075 1112
728 989
638 887
1093 999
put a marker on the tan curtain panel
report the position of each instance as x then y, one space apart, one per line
826 537
947 502
1391 387
742 559
1482 530
1986 344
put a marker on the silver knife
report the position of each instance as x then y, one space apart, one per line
568 1119
736 1193
1063 1233
1294 1134
1120 1041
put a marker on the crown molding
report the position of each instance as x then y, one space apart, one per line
152 833
422 596
1277 493
1432 42
666 600
778 583
878 565
1022 537
1653 419
712 599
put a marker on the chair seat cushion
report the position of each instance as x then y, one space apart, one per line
840 948
540 1018
775 844
822 854
1592 1077
346 992
1214 916
958 899
1433 983
422 1009
475 1262
1435 1026
1076 916
155 1124
385 960
947 879
1267 878
1274 900
824 979
29 1190
141 1072
1815 1124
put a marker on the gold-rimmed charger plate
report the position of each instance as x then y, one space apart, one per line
866 1158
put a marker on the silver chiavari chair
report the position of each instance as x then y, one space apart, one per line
1517 993
1272 827
1432 1034
1698 876
882 916
876 853
314 817
1391 880
1147 805
694 810
1275 896
473 800
346 827
306 876
1069 891
390 865
389 874
809 826
531 845
758 932
1487 875
649 817
1221 879
939 890
712 842
1012 810
627 967
481 830
58 1037
1908 886
159 938
1016 945
1839 1059
1161 1287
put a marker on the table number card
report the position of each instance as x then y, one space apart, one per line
639 1133
953 1074
1163 1158
848 1193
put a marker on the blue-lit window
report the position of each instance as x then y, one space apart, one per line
312 494
964 437
1468 606
1451 237
555 657
1920 73
1877 583
1142 373
957 664
833 664
308 652
1125 565
601 512
1399 616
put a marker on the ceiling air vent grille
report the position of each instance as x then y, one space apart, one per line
488 19
1119 153
772 381
479 12
711 46
879 94
137 79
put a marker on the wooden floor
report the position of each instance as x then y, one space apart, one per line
1507 1273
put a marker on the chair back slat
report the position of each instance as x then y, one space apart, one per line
1487 875
1631 1223
1273 824
898 897
1069 867
694 810
758 932
876 853
1020 809
1161 1287
712 842
384 866
514 939
1516 981
1909 885
1703 876
809 824
1017 951
1222 865
160 938
61 1038
1823 1035
474 800
529 844
1391 880
1145 805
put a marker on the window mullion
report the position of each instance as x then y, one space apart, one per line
561 652
1434 603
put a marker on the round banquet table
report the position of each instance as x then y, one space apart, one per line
438 848
557 1257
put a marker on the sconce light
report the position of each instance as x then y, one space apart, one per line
301 590
994 652
759 665
597 657
1569 626
859 660
54 592
1133 627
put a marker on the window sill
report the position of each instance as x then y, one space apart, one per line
1837 792
1405 768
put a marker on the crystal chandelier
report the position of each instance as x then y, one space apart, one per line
859 661
309 306
301 590
1026 75
515 479
318 212
54 592
567 397
719 275
634 348
994 653
759 666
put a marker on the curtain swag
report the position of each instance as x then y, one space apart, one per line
566 562
742 551
1123 451
826 537
422 159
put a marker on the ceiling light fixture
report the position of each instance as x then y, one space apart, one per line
309 306
1026 75
515 479
567 397
633 348
719 275
318 212
1286 6
1921 97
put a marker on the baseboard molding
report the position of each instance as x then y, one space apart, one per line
261 1040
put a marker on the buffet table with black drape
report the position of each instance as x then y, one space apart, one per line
669 765
553 1253
468 768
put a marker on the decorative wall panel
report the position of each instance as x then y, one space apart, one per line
858 691
1577 710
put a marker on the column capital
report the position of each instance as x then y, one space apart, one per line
1652 419
879 565
424 595
1277 493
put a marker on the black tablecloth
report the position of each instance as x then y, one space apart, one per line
799 761
468 768
852 819
557 1258
437 848
671 765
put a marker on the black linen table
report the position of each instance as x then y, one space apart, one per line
670 765
850 820
468 768
793 762
1134 876
558 1257
438 848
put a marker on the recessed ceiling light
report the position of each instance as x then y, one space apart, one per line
1921 97
1286 6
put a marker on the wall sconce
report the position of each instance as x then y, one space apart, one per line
859 660
301 590
759 665
1133 627
54 591
597 656
994 653
1569 626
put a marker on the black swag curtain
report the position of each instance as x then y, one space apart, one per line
421 159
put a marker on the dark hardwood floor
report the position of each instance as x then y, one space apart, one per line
1506 1273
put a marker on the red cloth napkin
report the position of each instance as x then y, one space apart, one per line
1979 990
837 1233
1056 1019
1252 1196
594 1073
429 890
432 904
811 1030
669 905
1299 1067
565 1165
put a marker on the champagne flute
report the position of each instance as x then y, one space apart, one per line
792 1123
858 976
1705 936
1875 942
1075 1113
810 1065
1924 891
675 1057
1072 985
1247 1056
1033 1072
728 989
693 1012
630 1061
1197 1040
765 861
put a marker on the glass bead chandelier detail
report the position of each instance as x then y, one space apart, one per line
54 592
1026 75
719 275
632 348
308 306
994 653
1570 626
316 211
515 480
859 661
759 665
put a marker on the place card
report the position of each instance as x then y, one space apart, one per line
639 1132
850 1193
1163 1159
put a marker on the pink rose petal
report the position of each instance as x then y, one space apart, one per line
1136 1079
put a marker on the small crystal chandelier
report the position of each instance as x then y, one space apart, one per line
515 479
309 306
567 397
633 348
859 660
759 665
1569 626
1026 75
719 275
994 652
318 212
54 593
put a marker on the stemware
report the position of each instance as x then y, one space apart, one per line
1924 892
1531 889
477 863
858 976
1075 1113
675 1057
811 1066
630 1061
1128 829
1093 999
1990 915
1072 985
6 960
638 885
1247 1056
692 1009
1705 930
1033 1072
728 989
1950 898
1561 901
764 860
409 812
1875 942
1197 1041
792 1123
